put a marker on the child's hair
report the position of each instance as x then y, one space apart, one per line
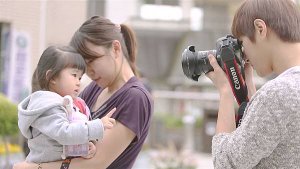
53 60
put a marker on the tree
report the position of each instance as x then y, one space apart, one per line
8 122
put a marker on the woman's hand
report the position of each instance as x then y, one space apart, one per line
107 121
27 165
24 165
92 150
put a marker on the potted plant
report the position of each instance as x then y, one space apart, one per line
8 123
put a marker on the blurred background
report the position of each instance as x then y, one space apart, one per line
185 111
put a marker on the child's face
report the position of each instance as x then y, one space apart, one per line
67 82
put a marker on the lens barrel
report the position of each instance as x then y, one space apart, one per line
195 63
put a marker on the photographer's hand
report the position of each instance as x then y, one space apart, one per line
226 114
218 76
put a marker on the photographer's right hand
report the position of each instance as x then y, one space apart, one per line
218 76
107 121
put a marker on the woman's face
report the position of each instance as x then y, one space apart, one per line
102 70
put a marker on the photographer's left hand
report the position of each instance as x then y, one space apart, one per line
218 76
226 114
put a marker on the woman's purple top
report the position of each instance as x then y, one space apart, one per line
134 109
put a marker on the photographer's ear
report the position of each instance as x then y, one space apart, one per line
260 28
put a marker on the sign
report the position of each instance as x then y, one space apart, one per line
19 67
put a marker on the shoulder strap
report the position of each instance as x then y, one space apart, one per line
236 80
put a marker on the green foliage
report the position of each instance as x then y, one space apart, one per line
173 121
199 122
170 121
8 117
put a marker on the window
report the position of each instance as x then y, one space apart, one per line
172 10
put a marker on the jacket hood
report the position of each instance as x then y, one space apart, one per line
33 106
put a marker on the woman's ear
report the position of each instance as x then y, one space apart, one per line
116 47
260 28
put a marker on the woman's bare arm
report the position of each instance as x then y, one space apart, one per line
114 142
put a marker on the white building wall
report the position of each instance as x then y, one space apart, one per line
63 19
46 21
119 11
24 16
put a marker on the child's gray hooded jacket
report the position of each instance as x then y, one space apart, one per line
43 121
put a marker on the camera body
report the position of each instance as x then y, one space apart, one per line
194 63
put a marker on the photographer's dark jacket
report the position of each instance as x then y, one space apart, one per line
269 136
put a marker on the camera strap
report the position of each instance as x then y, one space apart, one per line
235 74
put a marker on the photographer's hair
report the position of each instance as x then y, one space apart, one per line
101 31
53 60
280 16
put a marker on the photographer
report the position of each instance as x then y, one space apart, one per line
269 135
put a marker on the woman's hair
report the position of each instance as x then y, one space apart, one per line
281 16
54 59
101 31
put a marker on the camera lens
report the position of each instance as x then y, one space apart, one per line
195 63
188 61
203 57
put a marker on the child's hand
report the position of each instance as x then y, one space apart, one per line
107 121
92 151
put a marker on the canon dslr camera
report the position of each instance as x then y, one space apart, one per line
229 55
228 49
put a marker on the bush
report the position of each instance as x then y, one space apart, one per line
169 120
12 148
8 117
173 121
